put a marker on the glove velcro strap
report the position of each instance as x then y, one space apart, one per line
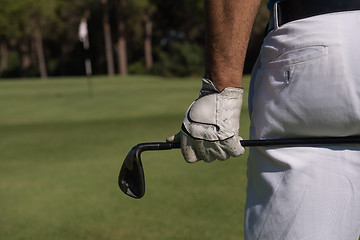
208 87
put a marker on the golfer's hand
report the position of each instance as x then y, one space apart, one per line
211 125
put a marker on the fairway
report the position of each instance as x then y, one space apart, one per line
61 150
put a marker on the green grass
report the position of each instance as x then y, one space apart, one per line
61 151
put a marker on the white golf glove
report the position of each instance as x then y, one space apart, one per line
211 125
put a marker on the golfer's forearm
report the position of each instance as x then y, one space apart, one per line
228 26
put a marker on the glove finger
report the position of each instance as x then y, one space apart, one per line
204 150
187 148
174 138
233 147
223 150
216 151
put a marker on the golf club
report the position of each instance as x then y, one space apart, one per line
132 179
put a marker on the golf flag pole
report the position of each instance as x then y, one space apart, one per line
84 38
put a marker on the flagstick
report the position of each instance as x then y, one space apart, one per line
88 68
84 38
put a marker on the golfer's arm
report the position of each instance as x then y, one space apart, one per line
228 25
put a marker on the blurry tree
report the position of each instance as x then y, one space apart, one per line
107 37
178 35
38 17
7 30
12 35
147 36
26 23
141 20
148 26
121 48
4 56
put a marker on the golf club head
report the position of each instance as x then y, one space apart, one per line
131 178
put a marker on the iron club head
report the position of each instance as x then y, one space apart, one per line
131 178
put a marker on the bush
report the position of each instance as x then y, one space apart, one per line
137 68
179 59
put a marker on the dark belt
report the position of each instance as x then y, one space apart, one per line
291 10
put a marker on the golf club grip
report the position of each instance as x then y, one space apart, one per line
272 142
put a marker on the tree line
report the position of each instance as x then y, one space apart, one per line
40 37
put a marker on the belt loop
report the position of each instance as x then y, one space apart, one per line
275 13
274 18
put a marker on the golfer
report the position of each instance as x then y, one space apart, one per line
305 83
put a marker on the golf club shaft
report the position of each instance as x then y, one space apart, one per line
263 142
300 141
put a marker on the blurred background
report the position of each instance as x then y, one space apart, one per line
41 37
117 73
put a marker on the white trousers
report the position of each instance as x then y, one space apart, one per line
306 83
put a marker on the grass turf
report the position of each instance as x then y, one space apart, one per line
61 151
